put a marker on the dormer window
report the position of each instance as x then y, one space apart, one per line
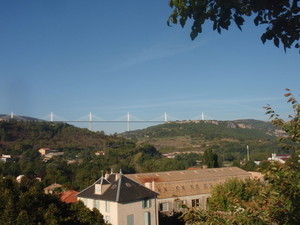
98 189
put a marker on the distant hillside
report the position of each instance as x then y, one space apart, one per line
209 129
5 117
23 135
198 135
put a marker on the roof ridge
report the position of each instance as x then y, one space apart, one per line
139 184
201 169
119 188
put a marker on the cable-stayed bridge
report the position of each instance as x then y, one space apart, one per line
128 119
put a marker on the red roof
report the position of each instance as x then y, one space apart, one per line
69 196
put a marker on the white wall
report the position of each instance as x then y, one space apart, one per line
138 211
118 212
188 199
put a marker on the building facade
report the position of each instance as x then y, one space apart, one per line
186 187
121 200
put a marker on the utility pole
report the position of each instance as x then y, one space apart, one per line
248 153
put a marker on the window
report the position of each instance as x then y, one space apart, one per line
178 205
195 202
107 207
130 219
163 207
98 189
146 203
147 218
97 206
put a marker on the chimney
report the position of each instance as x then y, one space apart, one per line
117 176
153 185
106 175
150 185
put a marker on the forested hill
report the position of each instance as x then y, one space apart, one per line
200 135
210 129
20 135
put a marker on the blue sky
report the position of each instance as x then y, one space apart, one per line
72 57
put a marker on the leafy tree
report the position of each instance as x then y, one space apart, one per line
249 166
292 127
276 201
27 204
210 159
280 17
174 219
225 196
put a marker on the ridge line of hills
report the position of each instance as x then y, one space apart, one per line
228 138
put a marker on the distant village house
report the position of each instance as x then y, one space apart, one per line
279 158
48 153
6 158
53 188
99 153
45 151
69 196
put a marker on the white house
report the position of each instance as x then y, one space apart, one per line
121 200
6 158
279 158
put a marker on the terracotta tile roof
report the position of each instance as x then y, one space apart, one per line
181 175
188 182
69 196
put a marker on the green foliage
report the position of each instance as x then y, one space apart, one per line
208 130
26 138
226 138
210 159
283 193
280 17
27 204
249 166
228 196
253 202
21 136
275 201
189 159
174 219
292 127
